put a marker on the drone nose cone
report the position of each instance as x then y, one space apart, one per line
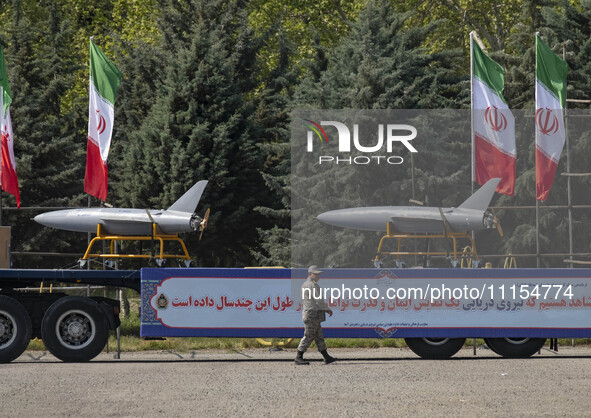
48 219
41 219
327 217
342 217
323 217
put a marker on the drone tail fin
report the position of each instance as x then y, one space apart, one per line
481 199
189 201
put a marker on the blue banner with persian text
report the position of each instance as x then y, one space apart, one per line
368 303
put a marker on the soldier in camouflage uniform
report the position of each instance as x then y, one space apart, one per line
314 310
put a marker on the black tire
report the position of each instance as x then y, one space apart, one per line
435 348
491 347
515 347
15 329
74 329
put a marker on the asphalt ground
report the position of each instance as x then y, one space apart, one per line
258 382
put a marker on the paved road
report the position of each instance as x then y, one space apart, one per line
388 381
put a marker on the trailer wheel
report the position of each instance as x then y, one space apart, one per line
491 346
15 329
74 329
515 347
435 348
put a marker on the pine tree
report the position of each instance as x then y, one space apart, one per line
272 121
49 152
381 64
138 61
567 29
200 126
557 25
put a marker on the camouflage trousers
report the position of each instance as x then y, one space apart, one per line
312 332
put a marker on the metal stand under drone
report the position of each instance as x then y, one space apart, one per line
157 236
160 257
454 256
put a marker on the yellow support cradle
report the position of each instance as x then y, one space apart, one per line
510 262
156 236
468 252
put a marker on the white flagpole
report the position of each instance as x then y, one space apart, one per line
536 185
472 168
472 111
1 130
568 183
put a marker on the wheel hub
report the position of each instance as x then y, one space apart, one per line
436 341
517 341
75 329
6 329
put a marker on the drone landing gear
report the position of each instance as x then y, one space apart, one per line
161 257
454 257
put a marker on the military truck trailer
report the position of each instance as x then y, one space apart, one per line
434 310
73 328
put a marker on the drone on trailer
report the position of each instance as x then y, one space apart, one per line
401 222
114 224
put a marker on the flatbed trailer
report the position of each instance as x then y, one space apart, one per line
73 328
434 310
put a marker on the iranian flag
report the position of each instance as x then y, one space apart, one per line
8 176
550 102
493 123
104 82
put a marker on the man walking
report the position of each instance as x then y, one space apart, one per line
314 310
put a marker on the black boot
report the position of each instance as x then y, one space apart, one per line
327 358
299 360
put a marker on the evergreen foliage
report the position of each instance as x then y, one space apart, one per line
272 117
208 91
565 25
303 24
381 64
50 151
200 126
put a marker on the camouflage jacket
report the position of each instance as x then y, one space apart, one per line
314 307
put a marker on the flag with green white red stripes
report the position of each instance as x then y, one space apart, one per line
549 120
493 124
104 82
8 177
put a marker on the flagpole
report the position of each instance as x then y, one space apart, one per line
1 128
568 183
472 112
535 188
472 125
88 235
